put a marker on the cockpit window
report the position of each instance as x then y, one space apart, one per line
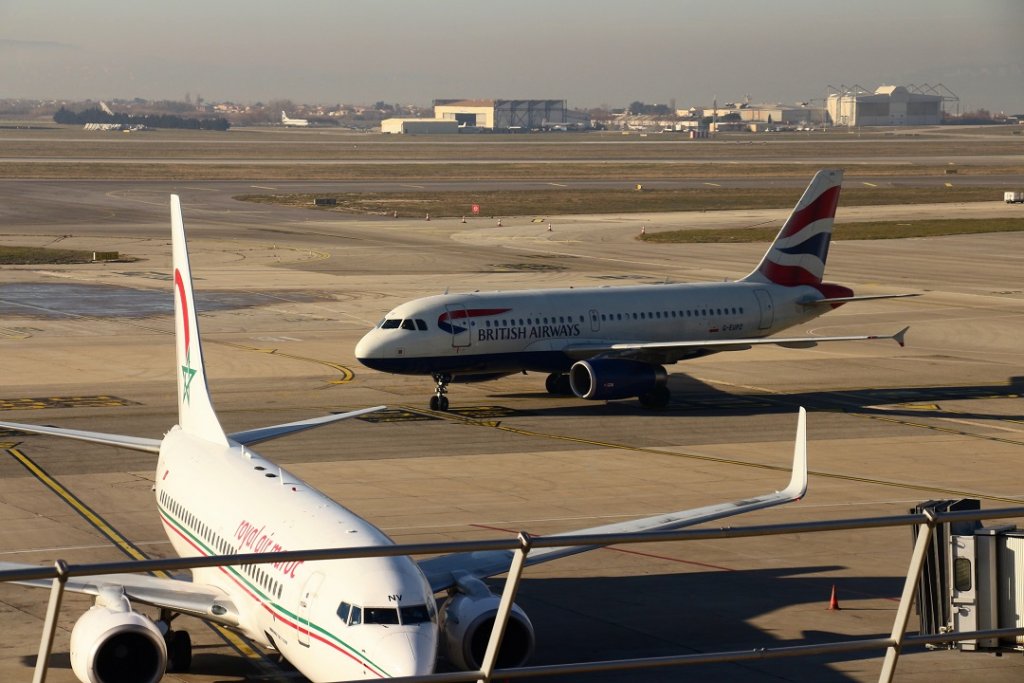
421 325
408 324
415 614
380 615
411 614
390 323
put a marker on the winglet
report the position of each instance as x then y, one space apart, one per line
195 409
899 336
798 481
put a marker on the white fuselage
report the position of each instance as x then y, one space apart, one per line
505 332
215 501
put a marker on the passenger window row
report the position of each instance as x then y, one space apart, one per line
222 547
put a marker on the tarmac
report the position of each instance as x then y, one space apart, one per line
291 291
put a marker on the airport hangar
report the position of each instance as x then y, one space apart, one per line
889 105
491 115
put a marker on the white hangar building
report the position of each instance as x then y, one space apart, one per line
503 115
889 105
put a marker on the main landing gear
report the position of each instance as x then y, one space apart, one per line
179 644
439 401
557 384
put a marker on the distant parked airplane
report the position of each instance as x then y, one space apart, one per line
297 123
603 343
333 620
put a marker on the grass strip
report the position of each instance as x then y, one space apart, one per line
22 256
873 230
555 201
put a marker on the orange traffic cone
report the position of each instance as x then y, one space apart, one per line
833 603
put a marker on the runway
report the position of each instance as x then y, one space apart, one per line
889 427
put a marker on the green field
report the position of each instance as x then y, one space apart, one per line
20 256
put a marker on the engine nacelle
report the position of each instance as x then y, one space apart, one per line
466 620
606 379
117 646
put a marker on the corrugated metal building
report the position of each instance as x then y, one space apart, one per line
889 105
503 114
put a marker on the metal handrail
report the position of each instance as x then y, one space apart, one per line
520 547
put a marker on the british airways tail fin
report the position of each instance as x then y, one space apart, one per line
195 409
797 256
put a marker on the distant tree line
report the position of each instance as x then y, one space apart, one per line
96 115
639 108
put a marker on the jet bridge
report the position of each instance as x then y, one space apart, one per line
973 580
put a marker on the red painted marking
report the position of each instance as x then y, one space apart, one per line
823 206
788 275
184 307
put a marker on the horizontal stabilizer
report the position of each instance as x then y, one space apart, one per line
135 443
848 299
254 436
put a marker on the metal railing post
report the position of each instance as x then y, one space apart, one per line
50 624
899 626
508 596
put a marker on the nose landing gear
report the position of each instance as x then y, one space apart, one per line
439 401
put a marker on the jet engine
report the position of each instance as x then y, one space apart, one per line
606 379
466 620
112 644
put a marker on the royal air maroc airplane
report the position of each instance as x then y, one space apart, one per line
333 620
606 343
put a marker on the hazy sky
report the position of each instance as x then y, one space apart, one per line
589 53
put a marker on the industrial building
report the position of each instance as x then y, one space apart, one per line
765 116
400 126
506 115
889 105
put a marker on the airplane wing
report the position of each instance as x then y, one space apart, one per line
135 443
262 434
670 352
445 571
185 597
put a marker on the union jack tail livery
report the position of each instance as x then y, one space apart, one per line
797 257
195 409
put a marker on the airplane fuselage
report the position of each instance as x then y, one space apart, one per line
214 500
480 333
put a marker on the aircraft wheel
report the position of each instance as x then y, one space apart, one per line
179 651
557 384
434 401
442 403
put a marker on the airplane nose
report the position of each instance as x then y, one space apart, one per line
367 348
407 653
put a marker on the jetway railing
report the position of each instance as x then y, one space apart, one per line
524 543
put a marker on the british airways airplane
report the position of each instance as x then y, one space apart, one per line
606 343
333 620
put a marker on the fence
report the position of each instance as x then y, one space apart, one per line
523 544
